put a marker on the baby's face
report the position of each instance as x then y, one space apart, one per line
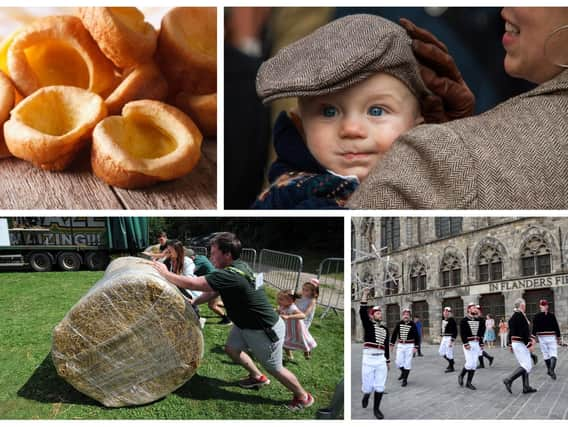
349 131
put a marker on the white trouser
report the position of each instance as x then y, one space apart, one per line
446 348
471 355
404 354
548 346
523 355
373 370
504 339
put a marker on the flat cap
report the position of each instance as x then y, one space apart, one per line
338 55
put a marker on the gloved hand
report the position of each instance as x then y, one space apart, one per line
452 98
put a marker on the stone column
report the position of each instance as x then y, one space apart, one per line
435 315
510 298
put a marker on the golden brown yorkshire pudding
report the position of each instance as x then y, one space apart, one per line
202 109
142 82
6 103
58 50
187 49
121 34
49 127
4 46
150 142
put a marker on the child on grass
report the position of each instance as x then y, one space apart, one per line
307 302
297 335
358 87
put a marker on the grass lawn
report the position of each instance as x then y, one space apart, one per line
31 304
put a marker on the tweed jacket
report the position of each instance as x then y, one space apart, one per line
514 156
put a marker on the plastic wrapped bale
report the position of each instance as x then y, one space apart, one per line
132 339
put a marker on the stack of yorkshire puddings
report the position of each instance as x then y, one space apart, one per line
144 97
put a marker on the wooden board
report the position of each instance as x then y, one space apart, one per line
23 186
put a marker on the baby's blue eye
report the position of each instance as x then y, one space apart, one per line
376 111
329 111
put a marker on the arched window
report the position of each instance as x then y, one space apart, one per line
535 257
489 264
390 233
448 226
418 277
450 271
392 280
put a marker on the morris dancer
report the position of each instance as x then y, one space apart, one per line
406 336
375 354
449 334
546 328
472 329
521 343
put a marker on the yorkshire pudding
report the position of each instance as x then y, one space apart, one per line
4 46
121 33
202 109
187 49
58 50
48 127
142 82
150 142
6 104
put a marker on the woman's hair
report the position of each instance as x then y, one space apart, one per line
177 264
288 294
313 288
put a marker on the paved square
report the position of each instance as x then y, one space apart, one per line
432 394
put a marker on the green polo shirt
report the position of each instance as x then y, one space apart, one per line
202 265
246 306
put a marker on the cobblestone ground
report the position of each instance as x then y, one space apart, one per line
432 394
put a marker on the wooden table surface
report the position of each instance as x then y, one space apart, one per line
23 186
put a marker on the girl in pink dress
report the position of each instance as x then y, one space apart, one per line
297 335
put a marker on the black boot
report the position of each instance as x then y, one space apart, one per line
401 374
450 367
481 365
460 376
509 380
552 367
534 358
490 358
405 378
526 386
468 384
376 405
365 401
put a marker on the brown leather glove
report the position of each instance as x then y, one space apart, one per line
452 98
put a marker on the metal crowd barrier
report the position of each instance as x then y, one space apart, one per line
200 250
248 255
280 269
331 278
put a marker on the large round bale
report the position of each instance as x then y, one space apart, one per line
131 339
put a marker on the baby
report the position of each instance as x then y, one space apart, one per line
358 87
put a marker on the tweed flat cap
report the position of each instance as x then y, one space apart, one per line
339 55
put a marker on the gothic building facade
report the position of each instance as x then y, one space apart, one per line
426 264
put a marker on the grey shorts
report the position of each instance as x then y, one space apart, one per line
268 353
